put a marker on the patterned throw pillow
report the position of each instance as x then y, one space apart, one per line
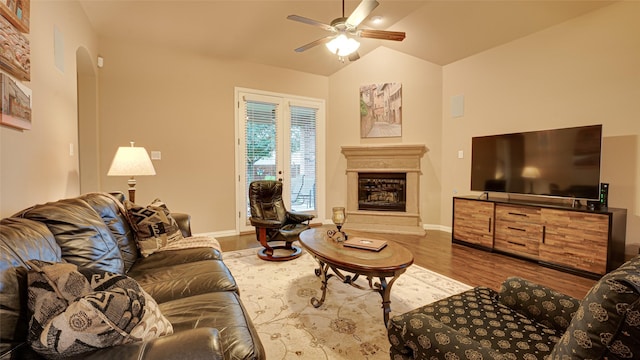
154 226
78 310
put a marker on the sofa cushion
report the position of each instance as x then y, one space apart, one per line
607 323
154 226
174 257
222 310
166 283
114 216
477 315
78 310
81 234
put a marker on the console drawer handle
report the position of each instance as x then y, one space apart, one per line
514 228
515 243
517 214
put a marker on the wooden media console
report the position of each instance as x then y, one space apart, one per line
586 242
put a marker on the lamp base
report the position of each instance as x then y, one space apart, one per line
132 195
338 236
132 189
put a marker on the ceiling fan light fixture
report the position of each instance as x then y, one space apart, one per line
342 45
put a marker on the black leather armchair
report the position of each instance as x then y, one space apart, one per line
273 222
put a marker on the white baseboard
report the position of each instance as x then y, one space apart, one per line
218 233
436 227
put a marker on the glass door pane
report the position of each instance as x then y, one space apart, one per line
261 144
302 156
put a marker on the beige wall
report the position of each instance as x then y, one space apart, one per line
421 120
183 105
581 72
584 71
35 164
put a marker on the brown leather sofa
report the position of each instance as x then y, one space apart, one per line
193 287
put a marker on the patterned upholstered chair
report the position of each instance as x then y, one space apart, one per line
526 321
273 222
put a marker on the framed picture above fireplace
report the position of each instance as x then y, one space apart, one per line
381 110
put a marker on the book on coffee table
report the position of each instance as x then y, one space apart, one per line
366 244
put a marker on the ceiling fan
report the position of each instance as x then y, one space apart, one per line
343 29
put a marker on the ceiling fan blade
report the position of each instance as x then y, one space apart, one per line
320 41
382 34
361 12
308 21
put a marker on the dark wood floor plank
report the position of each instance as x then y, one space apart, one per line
474 267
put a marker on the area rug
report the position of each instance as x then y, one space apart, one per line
349 325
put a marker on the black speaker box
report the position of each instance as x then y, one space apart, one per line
604 195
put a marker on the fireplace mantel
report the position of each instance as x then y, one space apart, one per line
400 158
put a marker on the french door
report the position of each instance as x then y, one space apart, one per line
278 140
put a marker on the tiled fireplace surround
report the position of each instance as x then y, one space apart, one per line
402 158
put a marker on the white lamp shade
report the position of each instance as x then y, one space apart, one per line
131 161
530 172
343 45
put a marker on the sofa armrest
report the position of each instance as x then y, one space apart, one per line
184 223
200 343
415 335
183 220
538 302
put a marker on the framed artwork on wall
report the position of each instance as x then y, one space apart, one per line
15 103
17 12
15 52
381 110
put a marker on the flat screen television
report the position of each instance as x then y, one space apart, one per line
558 163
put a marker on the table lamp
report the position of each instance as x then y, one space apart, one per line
531 173
131 161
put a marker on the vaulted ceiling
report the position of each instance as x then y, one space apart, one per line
441 31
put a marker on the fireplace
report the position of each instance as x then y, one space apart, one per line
383 188
382 191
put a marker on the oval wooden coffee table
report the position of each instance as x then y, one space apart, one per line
390 262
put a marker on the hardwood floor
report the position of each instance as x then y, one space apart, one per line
474 267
